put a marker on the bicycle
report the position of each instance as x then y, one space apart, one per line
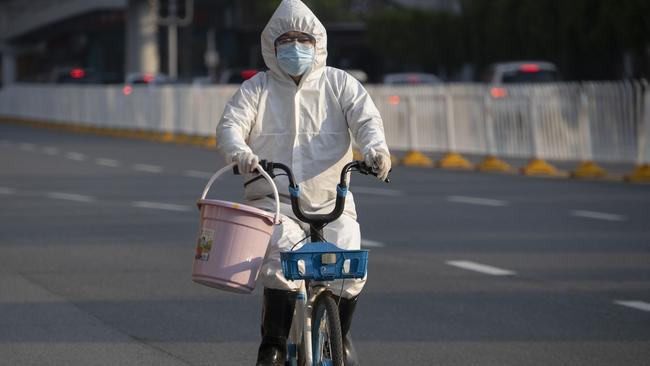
316 263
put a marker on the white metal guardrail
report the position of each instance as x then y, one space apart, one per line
568 121
593 121
175 109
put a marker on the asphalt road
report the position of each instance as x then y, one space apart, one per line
97 237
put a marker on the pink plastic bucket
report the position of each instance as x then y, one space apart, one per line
232 241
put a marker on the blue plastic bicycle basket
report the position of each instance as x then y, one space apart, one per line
322 261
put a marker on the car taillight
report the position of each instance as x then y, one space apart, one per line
147 78
77 73
127 90
247 74
529 68
394 100
413 79
498 93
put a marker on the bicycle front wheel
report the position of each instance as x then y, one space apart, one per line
327 341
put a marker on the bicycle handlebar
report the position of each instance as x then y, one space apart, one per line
294 190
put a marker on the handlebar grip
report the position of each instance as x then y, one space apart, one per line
366 170
266 165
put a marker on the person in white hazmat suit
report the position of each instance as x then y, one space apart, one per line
300 113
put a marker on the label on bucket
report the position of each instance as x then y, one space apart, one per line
204 245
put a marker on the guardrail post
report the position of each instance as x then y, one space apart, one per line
588 168
642 171
491 163
166 124
414 157
537 166
452 159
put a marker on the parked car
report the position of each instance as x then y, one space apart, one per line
202 81
75 75
237 75
514 101
519 72
522 72
411 78
140 78
144 79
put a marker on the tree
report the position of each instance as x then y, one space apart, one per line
416 39
327 10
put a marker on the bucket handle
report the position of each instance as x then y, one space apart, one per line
261 171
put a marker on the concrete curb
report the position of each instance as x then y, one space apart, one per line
208 142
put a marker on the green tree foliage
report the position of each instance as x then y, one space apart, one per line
586 38
411 38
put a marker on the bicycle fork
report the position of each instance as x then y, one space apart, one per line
300 336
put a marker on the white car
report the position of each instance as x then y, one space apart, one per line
519 107
519 72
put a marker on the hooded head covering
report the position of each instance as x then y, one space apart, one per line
293 15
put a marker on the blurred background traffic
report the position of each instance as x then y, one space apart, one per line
217 41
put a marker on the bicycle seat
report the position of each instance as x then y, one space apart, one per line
323 261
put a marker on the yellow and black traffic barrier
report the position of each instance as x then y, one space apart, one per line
417 159
540 168
454 160
493 164
589 170
641 174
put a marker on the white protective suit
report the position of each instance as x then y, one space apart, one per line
306 127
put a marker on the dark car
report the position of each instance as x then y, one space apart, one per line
75 75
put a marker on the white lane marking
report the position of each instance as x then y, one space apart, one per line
161 206
75 156
197 174
377 191
639 305
51 151
70 197
482 268
371 244
108 162
598 215
25 146
6 190
477 201
148 168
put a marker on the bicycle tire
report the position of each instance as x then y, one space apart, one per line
327 341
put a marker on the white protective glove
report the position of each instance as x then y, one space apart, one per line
246 161
379 161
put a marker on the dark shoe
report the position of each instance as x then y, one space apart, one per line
346 310
277 313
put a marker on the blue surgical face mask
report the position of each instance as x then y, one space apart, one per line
295 58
